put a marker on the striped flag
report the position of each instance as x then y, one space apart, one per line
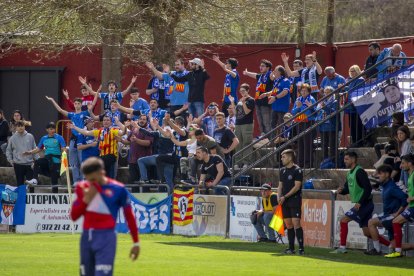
183 207
277 221
64 164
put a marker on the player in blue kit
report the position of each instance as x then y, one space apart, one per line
99 199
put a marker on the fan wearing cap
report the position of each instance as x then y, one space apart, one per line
196 79
208 119
264 216
88 144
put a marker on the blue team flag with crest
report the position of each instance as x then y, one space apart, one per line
376 102
12 204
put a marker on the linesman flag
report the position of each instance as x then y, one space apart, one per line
183 207
64 163
277 221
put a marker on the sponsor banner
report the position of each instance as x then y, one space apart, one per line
209 217
317 222
48 213
150 198
356 238
240 225
376 102
12 204
151 218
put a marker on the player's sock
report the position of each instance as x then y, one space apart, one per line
291 238
397 236
377 245
383 241
299 236
343 234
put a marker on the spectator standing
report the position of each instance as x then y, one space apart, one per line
156 112
374 51
391 65
208 119
296 82
332 79
77 118
138 102
20 142
231 81
244 122
309 75
279 97
328 129
231 117
88 145
214 171
178 91
265 215
290 197
225 138
208 142
53 145
87 98
264 85
157 90
304 121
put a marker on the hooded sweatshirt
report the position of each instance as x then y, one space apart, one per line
18 144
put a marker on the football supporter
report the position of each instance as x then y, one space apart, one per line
155 111
52 144
87 98
214 171
290 197
157 90
394 202
265 215
99 199
225 138
359 188
407 164
208 119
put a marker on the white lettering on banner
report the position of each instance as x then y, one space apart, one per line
149 216
164 218
313 214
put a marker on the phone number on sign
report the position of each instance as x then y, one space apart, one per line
55 227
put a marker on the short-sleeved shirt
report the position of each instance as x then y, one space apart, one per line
88 152
209 125
266 86
108 97
230 86
335 82
157 114
140 104
52 146
209 143
178 91
241 117
77 120
288 176
224 137
210 167
281 104
107 142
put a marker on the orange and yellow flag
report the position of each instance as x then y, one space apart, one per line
277 221
64 164
183 207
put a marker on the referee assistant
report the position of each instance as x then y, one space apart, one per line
290 197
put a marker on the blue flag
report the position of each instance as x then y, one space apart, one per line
151 218
376 102
12 204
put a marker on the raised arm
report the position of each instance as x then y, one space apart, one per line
157 73
95 98
181 110
222 65
249 74
87 86
68 100
315 61
80 130
58 108
290 73
126 91
178 143
179 130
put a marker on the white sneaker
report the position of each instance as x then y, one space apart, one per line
31 182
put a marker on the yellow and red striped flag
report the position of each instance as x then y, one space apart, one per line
277 221
183 207
64 164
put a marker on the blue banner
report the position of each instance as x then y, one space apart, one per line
12 204
151 218
377 101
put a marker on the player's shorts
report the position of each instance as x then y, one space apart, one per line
408 214
292 208
363 215
97 252
386 222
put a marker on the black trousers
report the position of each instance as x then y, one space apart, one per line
109 163
357 130
133 172
305 145
22 172
45 166
163 159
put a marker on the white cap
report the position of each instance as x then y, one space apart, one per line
196 61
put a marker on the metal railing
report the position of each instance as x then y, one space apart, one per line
264 150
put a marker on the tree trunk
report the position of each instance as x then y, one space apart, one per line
112 44
301 26
330 22
165 42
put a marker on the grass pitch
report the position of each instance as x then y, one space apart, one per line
58 254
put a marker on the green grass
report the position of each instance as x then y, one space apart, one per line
57 254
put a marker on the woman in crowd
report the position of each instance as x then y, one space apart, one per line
404 147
